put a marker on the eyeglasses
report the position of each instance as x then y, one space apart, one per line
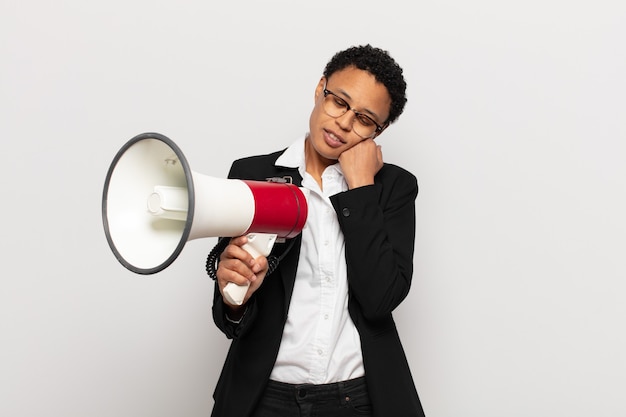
335 106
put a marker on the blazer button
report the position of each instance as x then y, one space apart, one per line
345 212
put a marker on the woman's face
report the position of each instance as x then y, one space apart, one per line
330 136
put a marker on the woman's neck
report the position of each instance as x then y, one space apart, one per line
315 163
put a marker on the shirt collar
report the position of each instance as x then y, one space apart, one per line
293 157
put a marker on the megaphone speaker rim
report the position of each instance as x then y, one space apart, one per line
190 211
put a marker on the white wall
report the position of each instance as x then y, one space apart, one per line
515 128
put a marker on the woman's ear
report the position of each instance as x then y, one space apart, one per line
320 87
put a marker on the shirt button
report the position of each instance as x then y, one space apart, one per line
345 212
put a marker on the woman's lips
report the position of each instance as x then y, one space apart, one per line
332 140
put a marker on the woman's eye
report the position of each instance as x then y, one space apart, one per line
364 120
340 103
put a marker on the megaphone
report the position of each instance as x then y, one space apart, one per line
153 203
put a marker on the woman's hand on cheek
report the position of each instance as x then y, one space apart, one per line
361 163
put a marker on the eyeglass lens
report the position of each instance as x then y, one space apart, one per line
335 106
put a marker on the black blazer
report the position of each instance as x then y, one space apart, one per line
378 223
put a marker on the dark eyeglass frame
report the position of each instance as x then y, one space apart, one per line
378 129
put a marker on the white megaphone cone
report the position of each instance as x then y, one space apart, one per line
153 204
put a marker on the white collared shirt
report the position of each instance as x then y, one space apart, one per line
320 343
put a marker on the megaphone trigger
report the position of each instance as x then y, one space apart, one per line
260 244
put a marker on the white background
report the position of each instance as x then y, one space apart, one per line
515 128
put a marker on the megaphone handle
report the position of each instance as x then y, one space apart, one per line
259 244
234 293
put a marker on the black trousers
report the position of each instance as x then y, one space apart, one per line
339 399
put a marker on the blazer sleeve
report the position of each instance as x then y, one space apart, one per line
378 223
230 329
